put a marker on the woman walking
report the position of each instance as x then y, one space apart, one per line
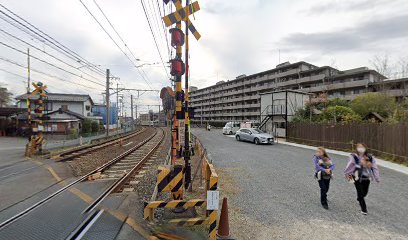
323 173
360 169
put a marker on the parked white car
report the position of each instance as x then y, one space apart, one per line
231 128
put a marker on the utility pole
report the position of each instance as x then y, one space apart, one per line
186 117
28 92
136 113
131 109
28 71
107 101
117 105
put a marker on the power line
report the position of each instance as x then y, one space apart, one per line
25 77
164 28
154 38
120 37
113 40
45 52
156 17
51 64
44 73
49 40
114 29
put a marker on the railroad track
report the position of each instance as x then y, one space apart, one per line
120 171
77 152
69 155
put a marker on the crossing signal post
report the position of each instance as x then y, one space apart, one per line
179 68
36 140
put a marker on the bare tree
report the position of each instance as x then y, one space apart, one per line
381 64
402 66
5 96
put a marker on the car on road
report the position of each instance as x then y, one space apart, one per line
231 128
254 135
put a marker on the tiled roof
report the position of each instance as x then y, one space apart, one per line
62 97
77 115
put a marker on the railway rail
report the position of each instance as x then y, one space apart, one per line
68 155
76 152
120 171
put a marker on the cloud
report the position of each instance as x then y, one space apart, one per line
371 33
328 7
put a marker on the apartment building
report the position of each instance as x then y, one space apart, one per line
239 99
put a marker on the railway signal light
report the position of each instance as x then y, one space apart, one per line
177 67
177 37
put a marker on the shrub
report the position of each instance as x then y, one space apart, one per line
73 133
380 103
95 126
340 114
87 126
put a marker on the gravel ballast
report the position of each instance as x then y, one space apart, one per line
91 161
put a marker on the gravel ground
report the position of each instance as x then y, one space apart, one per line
272 195
95 159
144 190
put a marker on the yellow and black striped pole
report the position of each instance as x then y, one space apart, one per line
212 214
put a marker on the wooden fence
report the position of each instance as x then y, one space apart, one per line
387 140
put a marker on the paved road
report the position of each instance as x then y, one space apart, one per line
24 182
278 197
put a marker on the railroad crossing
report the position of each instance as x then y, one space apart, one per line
71 168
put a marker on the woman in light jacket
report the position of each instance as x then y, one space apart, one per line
361 169
323 173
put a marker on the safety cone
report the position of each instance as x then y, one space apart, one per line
223 227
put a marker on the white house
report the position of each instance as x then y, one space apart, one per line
65 111
278 108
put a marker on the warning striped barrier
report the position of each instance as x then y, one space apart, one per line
149 207
189 221
170 179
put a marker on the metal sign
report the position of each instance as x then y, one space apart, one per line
181 131
180 15
181 12
213 200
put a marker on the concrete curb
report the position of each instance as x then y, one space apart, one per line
380 162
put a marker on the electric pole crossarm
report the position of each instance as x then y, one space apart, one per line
118 90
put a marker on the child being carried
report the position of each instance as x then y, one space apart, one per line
325 163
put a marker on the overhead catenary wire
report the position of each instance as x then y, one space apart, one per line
162 29
114 29
120 37
46 39
48 63
154 38
45 52
25 77
46 74
113 40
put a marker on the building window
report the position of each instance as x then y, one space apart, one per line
48 106
88 108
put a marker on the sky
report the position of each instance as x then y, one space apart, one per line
238 37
